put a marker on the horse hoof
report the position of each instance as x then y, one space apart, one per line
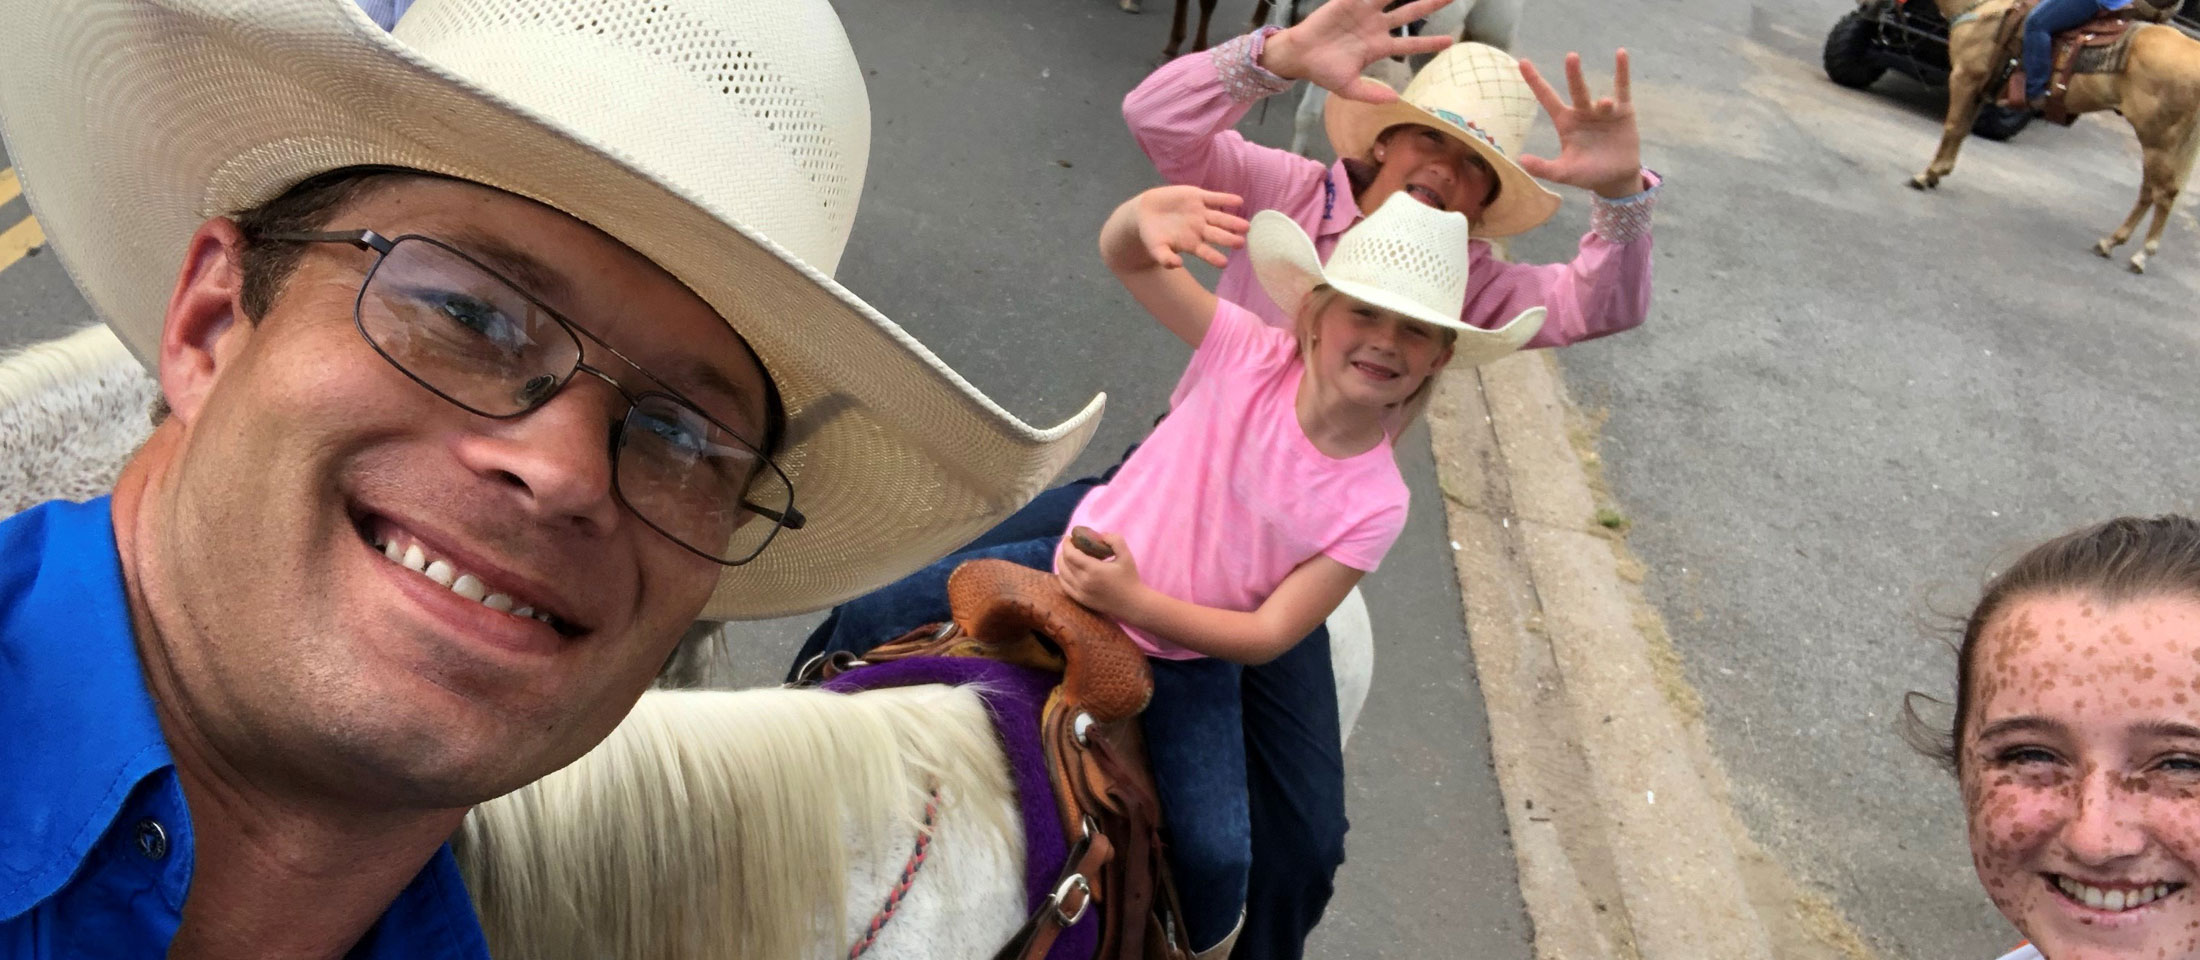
2102 248
2139 264
1921 182
1129 6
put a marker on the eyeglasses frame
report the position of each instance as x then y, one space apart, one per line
380 246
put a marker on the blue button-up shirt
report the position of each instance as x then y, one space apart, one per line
95 840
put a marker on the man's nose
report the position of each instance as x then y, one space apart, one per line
556 459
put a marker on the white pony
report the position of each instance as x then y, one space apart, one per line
1494 22
738 824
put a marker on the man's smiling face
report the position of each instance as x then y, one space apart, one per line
306 470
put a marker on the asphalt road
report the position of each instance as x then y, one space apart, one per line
997 149
1853 403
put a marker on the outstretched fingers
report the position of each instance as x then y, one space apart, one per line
1622 89
1417 10
1544 95
1577 83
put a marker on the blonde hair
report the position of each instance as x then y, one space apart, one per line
1401 414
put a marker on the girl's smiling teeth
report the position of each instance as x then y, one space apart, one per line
2112 899
1425 195
408 553
1375 371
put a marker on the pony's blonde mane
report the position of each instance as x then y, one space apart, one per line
718 824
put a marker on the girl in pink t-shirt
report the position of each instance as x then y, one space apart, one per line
1264 496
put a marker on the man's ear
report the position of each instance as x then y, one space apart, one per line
205 326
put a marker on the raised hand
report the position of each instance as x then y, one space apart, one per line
1341 37
1598 148
1177 220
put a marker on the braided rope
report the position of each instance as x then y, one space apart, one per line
908 877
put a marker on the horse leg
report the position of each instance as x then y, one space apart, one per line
1206 13
2166 171
1176 31
1307 119
1128 6
1494 22
1964 87
1260 15
2109 243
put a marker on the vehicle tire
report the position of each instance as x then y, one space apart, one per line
1997 122
1848 52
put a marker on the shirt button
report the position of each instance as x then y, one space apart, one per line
152 841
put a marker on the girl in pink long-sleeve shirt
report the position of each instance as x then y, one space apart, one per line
1182 117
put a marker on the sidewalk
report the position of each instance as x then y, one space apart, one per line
1626 844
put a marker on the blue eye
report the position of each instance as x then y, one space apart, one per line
680 436
480 318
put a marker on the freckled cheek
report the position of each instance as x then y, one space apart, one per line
2010 821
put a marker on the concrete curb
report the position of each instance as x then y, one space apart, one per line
1626 845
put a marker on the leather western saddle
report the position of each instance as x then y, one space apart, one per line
2096 46
1095 755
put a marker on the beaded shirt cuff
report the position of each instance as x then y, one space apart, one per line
1627 219
1238 63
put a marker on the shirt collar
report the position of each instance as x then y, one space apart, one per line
81 729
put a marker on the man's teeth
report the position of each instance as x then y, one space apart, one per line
464 584
2100 899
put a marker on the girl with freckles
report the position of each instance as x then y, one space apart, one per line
2077 742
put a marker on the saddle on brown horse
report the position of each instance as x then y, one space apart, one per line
1095 754
2100 45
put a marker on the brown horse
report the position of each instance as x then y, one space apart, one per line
2158 91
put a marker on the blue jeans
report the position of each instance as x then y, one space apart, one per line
1293 758
2040 26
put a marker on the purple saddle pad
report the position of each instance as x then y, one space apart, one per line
1013 696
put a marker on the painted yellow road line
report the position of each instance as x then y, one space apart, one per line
20 239
10 185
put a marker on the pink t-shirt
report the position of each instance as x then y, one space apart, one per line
1228 496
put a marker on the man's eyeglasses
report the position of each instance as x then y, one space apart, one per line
475 339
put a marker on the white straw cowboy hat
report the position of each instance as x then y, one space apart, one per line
1407 257
1473 92
726 140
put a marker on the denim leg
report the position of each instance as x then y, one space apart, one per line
1294 766
1047 515
911 602
2049 18
1197 747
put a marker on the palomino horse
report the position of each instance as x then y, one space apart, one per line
2158 91
736 824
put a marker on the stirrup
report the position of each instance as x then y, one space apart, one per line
1221 951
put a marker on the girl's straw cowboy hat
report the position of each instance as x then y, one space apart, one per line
1407 257
1473 92
726 140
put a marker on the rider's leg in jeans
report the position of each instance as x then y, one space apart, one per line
1047 515
913 601
1197 749
1294 767
2049 18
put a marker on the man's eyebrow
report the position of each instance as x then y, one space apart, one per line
698 376
534 277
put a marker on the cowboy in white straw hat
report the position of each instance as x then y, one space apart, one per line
1454 142
482 387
